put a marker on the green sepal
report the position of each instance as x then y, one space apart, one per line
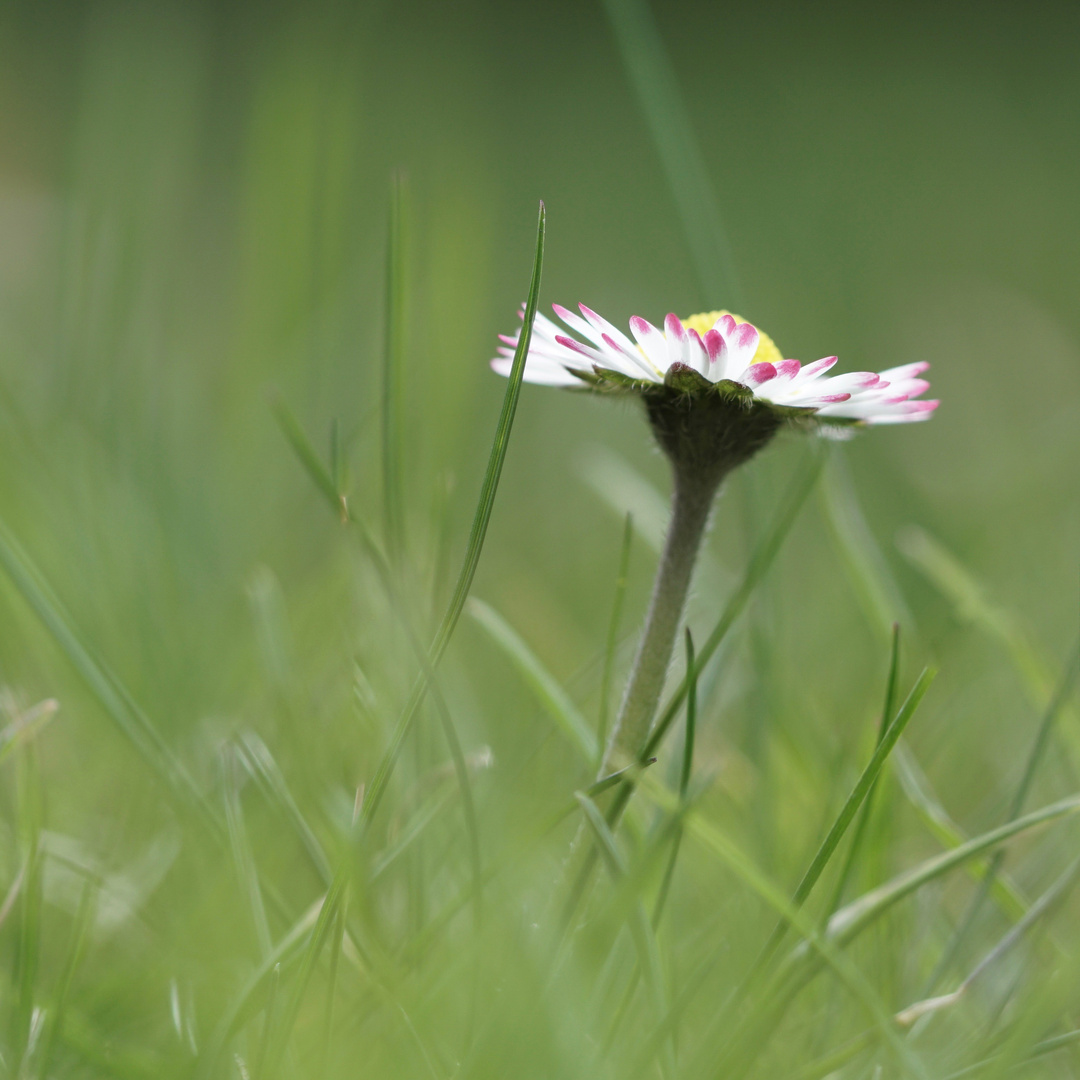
685 380
735 391
615 381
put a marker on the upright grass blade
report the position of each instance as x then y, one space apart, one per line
393 396
109 691
326 483
864 813
613 637
552 696
746 871
851 806
1035 755
377 788
654 81
691 718
481 519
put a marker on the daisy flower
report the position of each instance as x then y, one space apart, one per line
716 351
716 390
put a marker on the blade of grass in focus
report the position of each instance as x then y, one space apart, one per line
713 840
482 517
851 806
654 81
884 723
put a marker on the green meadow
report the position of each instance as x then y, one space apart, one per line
311 626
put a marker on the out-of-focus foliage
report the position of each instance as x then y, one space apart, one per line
193 215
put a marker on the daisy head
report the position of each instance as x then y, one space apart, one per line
715 387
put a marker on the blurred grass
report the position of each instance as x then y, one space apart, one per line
193 209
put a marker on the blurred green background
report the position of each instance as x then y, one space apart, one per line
193 209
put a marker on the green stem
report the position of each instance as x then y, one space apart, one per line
691 502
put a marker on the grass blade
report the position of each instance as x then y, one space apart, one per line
307 455
855 917
552 696
265 771
916 787
653 78
854 800
1034 757
613 636
684 783
108 690
393 396
823 948
481 519
864 812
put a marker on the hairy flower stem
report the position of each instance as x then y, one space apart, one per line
691 502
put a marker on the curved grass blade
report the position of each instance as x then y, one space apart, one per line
864 812
481 519
106 687
552 696
823 948
852 919
916 787
854 800
1034 757
653 78
265 772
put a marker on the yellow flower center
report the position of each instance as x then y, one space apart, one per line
704 322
